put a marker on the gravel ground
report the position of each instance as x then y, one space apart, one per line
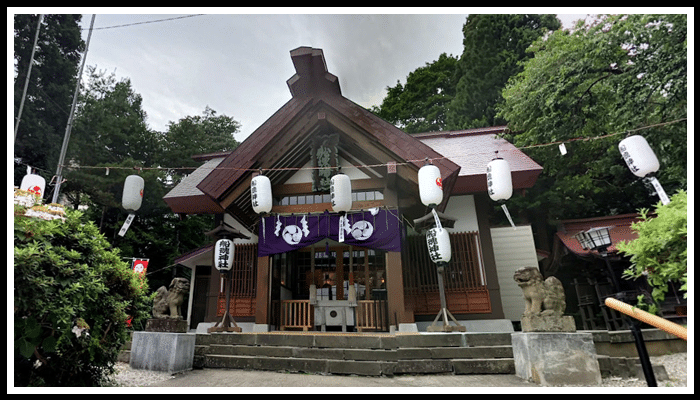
676 366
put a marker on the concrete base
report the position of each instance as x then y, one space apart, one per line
166 325
554 359
162 351
481 325
540 323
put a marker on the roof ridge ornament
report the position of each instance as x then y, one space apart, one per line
312 76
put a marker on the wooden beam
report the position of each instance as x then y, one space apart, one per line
321 207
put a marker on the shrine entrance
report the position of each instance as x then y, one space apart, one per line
329 286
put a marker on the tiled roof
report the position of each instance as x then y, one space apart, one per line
185 198
473 149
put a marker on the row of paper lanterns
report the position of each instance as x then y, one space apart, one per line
635 150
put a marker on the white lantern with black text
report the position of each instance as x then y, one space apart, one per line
261 194
33 183
499 181
642 161
223 254
133 193
638 156
341 193
438 241
430 185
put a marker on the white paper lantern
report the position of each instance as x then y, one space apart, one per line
341 193
638 156
223 254
430 185
133 193
33 183
261 194
438 240
499 180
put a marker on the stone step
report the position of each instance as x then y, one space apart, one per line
362 368
366 341
371 355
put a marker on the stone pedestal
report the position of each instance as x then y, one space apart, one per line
547 323
166 325
554 359
162 351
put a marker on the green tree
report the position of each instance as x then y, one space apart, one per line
199 134
420 105
72 297
660 252
111 131
110 124
494 47
51 87
623 73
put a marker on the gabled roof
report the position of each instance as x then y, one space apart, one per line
316 105
619 225
281 145
473 149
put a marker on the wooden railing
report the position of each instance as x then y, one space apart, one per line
372 315
296 314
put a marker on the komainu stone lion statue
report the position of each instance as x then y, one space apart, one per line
167 303
545 302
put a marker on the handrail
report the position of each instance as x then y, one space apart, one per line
651 319
296 314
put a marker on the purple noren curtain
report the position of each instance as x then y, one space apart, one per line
373 229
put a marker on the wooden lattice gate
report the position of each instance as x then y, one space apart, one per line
465 281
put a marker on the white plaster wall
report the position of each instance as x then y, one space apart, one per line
304 174
512 248
464 209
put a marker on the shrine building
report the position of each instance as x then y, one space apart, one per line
303 266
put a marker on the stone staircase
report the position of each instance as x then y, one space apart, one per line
358 354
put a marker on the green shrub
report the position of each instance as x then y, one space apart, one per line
660 252
72 297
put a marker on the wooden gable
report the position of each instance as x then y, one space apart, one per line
281 145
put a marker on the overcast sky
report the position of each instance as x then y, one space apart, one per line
237 61
238 64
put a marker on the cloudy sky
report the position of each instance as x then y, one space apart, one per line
237 62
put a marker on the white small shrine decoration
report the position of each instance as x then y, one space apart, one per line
341 193
642 162
438 240
223 254
261 194
500 183
430 185
132 196
34 184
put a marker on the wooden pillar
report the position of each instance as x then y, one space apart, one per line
262 299
394 288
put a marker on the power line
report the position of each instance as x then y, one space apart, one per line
376 165
145 22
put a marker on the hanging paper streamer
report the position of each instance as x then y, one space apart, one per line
562 149
438 224
126 225
505 210
659 190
